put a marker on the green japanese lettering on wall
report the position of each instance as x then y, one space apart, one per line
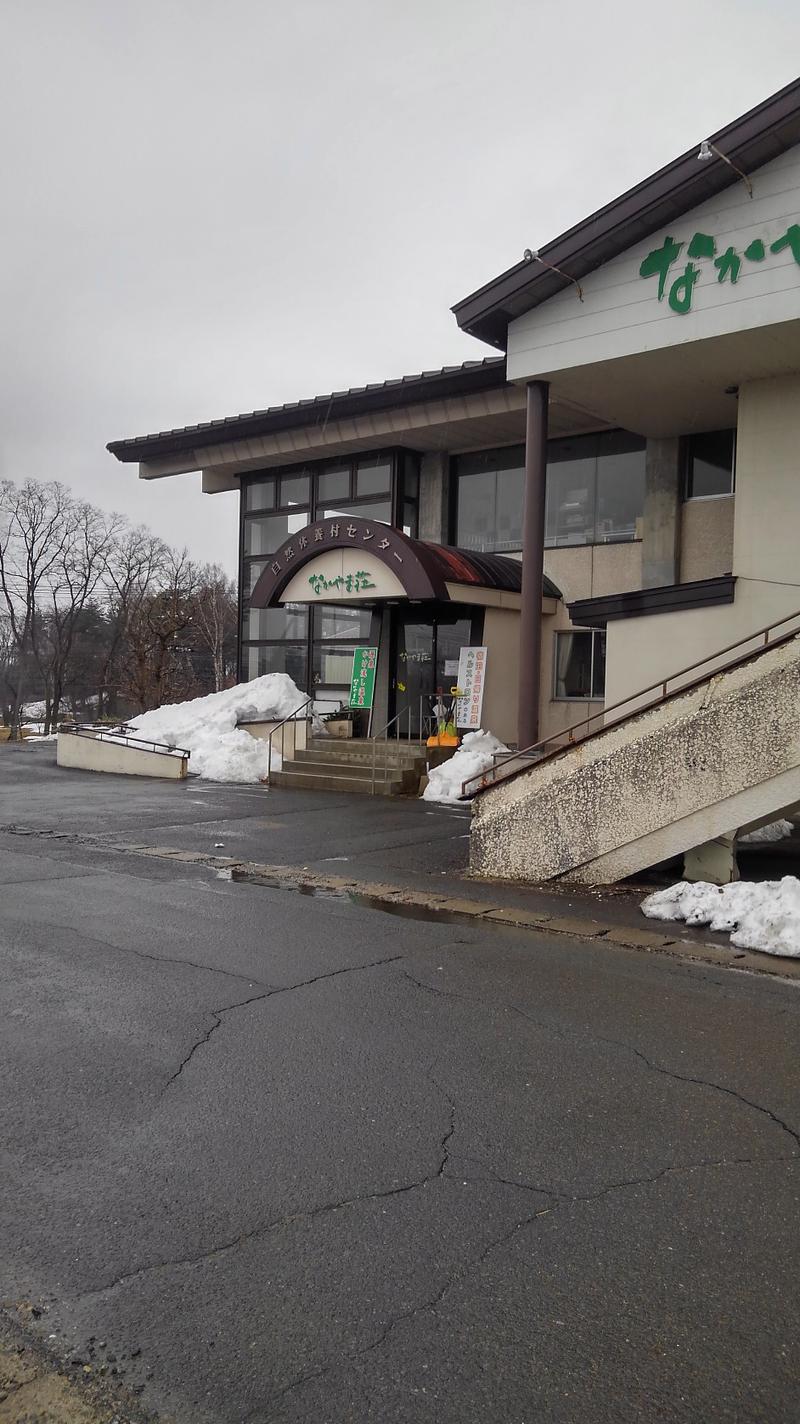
343 583
678 286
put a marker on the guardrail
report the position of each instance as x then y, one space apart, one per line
563 740
121 737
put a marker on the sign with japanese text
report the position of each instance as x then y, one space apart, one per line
471 678
362 683
677 283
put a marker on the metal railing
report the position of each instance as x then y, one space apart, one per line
120 736
427 722
563 740
281 727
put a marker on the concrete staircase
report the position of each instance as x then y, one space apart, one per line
328 764
688 772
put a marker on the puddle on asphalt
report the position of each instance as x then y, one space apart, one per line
402 909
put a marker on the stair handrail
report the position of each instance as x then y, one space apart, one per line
536 750
383 736
279 727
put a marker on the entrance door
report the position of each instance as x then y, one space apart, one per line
426 661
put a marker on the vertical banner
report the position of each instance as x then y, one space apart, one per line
362 682
471 677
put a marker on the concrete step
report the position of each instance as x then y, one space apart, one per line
361 759
329 780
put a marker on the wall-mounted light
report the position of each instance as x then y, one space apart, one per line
709 150
532 255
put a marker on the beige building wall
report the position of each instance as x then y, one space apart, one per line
501 637
707 538
766 551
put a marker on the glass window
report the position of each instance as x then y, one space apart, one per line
373 477
710 464
409 521
332 664
337 621
489 500
411 477
381 513
259 494
580 665
570 496
333 484
289 622
620 487
276 657
264 536
253 571
295 489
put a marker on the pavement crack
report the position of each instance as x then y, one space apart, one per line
676 1169
217 1013
588 1036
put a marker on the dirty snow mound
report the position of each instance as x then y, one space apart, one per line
207 727
775 831
763 915
473 756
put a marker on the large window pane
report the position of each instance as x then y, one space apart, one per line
264 536
620 486
277 657
489 500
410 519
253 571
569 508
710 464
475 516
373 477
289 623
295 489
260 494
333 484
335 621
332 664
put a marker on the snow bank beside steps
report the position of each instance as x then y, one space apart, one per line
207 727
476 754
761 915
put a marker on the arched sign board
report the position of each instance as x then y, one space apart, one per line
348 559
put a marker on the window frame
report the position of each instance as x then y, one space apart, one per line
596 634
688 458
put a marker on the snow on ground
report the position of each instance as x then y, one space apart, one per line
775 831
207 727
473 756
763 915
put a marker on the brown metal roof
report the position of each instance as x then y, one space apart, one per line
763 133
472 376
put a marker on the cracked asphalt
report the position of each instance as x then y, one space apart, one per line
282 1157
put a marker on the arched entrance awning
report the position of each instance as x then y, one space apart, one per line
348 559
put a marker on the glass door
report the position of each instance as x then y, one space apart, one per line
414 670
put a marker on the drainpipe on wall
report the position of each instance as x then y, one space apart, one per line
530 623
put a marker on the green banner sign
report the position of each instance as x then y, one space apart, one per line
362 685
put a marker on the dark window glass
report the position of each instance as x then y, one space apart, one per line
381 513
711 462
580 670
295 489
333 484
289 623
570 495
259 495
264 536
338 621
253 572
489 500
276 657
620 487
373 477
409 521
411 477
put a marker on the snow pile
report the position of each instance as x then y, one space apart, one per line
475 755
207 727
775 831
763 915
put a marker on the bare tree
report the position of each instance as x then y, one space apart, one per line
154 671
215 620
34 534
136 562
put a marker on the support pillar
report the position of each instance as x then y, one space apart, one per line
530 622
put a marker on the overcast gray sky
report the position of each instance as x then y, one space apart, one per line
211 207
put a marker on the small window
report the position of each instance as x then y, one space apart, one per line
380 513
373 477
333 484
290 658
264 536
276 624
295 489
580 666
259 494
710 464
253 572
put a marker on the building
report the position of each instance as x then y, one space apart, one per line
614 496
